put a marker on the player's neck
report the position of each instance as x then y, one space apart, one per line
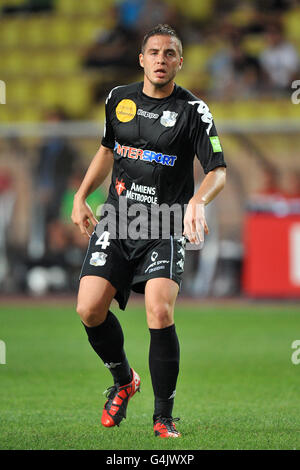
158 92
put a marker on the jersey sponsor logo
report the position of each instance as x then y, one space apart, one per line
98 258
120 186
141 188
156 265
206 115
168 118
137 192
126 110
216 144
145 155
142 193
147 114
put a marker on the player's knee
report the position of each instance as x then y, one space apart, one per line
91 315
160 315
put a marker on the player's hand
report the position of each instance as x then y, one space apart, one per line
194 222
82 215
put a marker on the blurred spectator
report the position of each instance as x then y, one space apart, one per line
234 73
270 182
279 60
96 199
119 48
269 197
274 6
292 190
55 162
65 246
155 12
15 162
202 282
7 201
200 265
57 242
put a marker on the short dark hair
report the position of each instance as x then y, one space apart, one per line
162 30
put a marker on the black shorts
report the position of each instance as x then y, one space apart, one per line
129 264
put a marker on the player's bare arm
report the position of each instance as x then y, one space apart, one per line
194 220
98 170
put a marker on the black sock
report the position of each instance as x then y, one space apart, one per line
164 367
107 340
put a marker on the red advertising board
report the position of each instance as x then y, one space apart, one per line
272 255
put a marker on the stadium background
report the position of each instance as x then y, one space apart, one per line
58 60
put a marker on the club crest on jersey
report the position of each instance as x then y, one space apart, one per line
168 118
120 186
98 258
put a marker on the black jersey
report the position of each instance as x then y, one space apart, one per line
154 142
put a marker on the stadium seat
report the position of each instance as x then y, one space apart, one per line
65 61
98 113
194 9
35 31
291 24
66 7
61 32
11 113
86 7
41 62
10 33
11 3
47 92
13 62
50 62
94 7
87 30
196 56
21 91
7 114
30 114
74 95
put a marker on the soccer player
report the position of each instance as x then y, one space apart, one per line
152 132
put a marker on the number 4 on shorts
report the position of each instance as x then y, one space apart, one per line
103 240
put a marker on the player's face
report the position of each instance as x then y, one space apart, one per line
161 60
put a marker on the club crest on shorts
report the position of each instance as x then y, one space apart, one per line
168 118
98 258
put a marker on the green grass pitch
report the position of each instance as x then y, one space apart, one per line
237 388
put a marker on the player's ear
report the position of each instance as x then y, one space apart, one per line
141 59
180 63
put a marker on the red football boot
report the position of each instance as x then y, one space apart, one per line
165 427
118 397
